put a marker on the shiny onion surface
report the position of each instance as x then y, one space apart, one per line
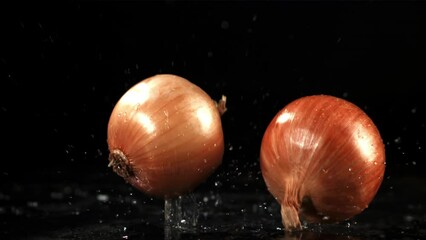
165 136
323 160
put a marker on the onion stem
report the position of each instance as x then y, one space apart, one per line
221 105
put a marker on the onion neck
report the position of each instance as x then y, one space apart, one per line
290 207
221 105
290 217
120 164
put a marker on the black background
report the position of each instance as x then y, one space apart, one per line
63 66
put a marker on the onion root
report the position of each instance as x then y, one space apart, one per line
120 164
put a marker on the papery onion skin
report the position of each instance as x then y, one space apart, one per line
165 136
323 159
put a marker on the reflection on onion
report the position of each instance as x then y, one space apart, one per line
322 158
165 136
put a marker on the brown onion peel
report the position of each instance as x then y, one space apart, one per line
323 160
165 136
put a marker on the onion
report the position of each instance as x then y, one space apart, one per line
165 136
322 158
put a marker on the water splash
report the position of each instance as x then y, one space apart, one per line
180 214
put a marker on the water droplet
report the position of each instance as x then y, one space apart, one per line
56 195
4 196
102 197
408 218
32 204
224 24
17 211
217 202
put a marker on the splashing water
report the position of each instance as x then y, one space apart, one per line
180 214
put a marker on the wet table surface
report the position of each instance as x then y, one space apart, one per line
104 207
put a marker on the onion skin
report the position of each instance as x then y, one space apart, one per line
323 159
165 136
